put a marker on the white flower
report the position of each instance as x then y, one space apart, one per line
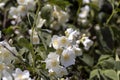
77 50
61 71
22 10
2 5
63 41
55 25
55 42
59 42
87 43
2 67
67 57
22 2
5 55
35 39
51 72
52 61
40 21
6 75
58 72
34 36
61 15
85 10
73 35
86 1
68 31
13 12
21 75
30 4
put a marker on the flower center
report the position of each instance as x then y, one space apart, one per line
22 1
55 42
54 63
2 67
20 76
66 56
63 40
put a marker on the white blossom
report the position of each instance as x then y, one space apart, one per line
6 75
73 35
77 50
13 12
59 42
6 54
40 21
30 4
86 1
67 57
22 10
21 75
61 71
68 31
52 62
34 36
58 72
59 17
22 2
84 12
87 43
35 39
2 4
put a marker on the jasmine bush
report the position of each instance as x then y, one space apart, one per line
59 39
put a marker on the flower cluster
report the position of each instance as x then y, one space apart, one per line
21 10
7 56
67 49
59 17
17 75
55 16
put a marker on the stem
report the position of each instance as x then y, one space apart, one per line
33 28
117 59
78 10
5 16
113 12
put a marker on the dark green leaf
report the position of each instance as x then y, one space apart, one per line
111 74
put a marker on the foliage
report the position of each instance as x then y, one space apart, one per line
100 22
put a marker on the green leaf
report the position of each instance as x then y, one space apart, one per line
46 12
117 65
107 63
111 74
104 57
8 31
23 50
88 59
61 3
25 43
30 58
94 73
94 6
